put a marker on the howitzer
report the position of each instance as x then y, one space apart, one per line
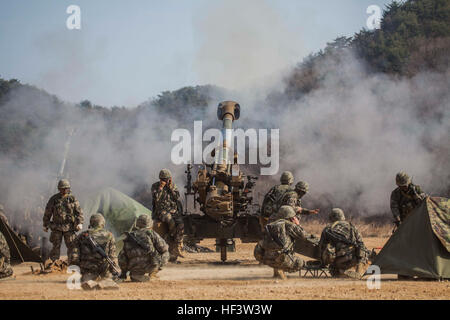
102 253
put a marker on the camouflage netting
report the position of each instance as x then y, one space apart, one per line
119 210
420 246
439 212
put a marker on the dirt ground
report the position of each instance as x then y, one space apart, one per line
203 276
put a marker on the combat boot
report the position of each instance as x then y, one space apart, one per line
7 273
139 278
178 249
352 274
279 274
107 284
153 274
89 285
361 268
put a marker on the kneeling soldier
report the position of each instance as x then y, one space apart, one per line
342 247
144 251
277 247
94 251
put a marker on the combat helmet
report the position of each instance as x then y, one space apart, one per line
287 178
165 174
97 220
285 212
63 184
402 179
143 221
336 214
302 186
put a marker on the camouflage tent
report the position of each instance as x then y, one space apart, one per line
421 245
20 252
119 210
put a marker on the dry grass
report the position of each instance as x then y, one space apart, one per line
367 229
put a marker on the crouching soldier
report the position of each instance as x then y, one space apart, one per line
5 267
342 247
144 251
91 251
277 247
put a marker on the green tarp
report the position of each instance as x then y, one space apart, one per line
19 251
420 246
120 211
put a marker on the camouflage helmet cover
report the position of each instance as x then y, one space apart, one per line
165 174
402 179
336 214
97 220
143 221
63 184
302 186
287 177
286 212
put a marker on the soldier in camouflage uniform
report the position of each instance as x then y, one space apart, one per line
271 199
144 251
93 266
405 198
166 213
342 247
277 247
64 217
293 198
5 267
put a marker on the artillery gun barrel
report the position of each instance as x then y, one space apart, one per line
227 111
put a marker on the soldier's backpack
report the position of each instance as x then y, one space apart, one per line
272 198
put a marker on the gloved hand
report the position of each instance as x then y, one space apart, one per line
79 227
45 229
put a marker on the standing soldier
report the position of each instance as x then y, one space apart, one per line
144 251
166 212
64 217
272 198
5 267
342 247
405 198
277 247
85 254
293 198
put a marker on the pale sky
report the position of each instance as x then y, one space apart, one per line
129 51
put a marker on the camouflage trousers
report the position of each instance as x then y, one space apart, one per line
142 264
94 274
56 238
273 258
171 229
5 268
